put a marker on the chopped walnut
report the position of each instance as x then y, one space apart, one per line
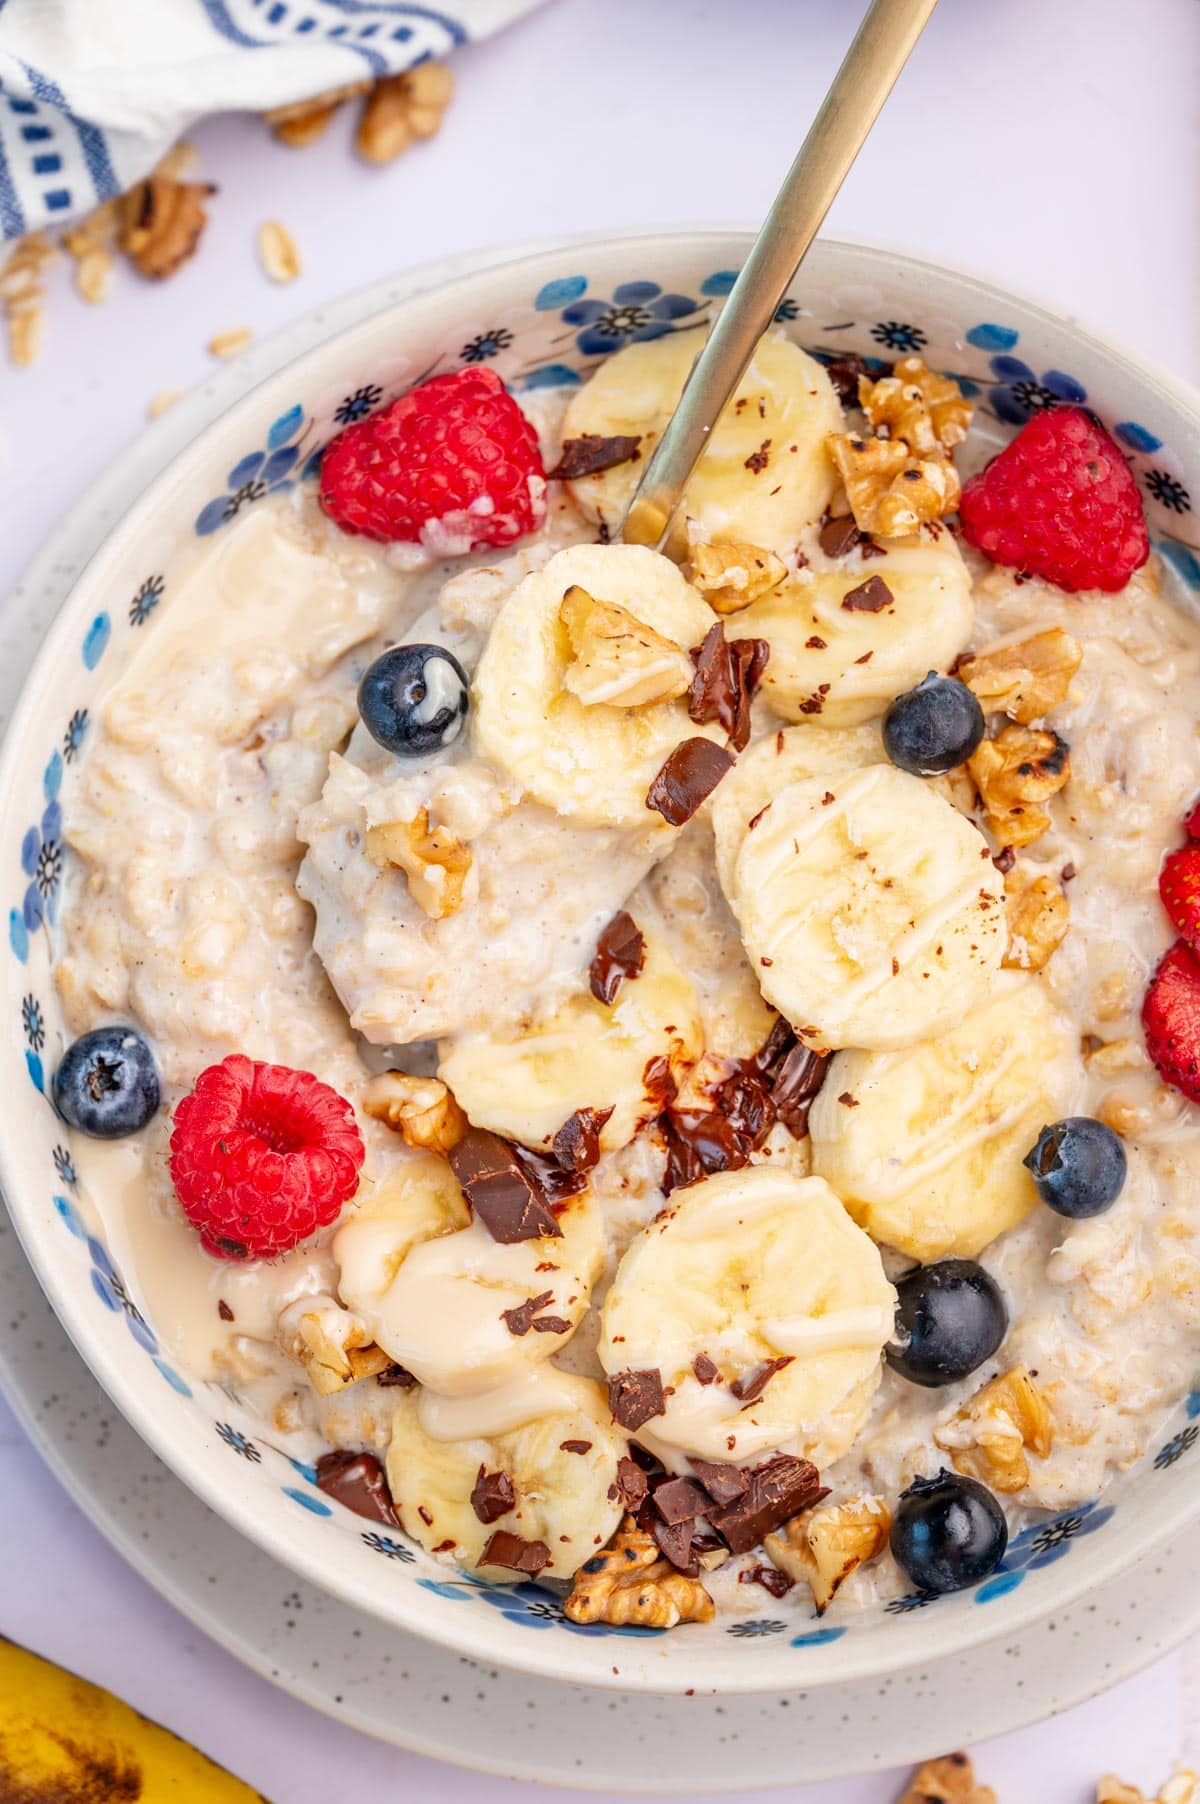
1038 915
401 108
90 242
1025 680
731 576
1113 1056
950 1780
619 661
630 1585
1015 772
929 412
824 1545
331 1343
991 1434
22 297
302 122
435 863
1182 1788
891 490
160 223
420 1109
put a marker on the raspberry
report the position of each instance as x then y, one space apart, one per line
453 463
1059 502
1171 1018
1179 887
262 1156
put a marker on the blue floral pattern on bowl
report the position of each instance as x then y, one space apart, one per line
636 313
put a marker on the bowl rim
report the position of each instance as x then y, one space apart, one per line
472 1640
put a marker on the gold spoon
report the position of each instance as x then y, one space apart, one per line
868 73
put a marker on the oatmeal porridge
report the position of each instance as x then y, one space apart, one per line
636 1064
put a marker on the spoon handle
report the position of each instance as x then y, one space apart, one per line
868 73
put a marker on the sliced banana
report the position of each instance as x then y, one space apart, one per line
590 761
585 1055
926 1144
870 908
772 765
553 1437
432 1285
766 473
747 1267
841 663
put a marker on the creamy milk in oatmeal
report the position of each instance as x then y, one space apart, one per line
766 1045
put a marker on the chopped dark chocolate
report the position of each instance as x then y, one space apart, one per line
398 1376
658 1081
700 1142
223 1310
844 373
751 1385
839 536
576 1146
552 1324
679 1500
492 1495
728 672
781 1488
520 1319
724 1484
620 952
552 1182
706 1370
358 1481
631 1485
589 454
758 460
796 1083
769 1577
499 1189
675 1543
1004 860
634 1397
574 1446
870 597
687 779
515 1555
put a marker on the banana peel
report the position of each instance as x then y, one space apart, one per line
66 1741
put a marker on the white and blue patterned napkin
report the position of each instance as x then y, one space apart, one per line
93 92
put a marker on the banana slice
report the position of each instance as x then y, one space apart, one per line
585 1055
747 1267
772 765
840 662
766 473
591 761
870 908
432 1285
550 1434
927 1152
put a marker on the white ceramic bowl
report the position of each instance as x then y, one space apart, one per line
544 319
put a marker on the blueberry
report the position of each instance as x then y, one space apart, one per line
1078 1166
107 1084
414 699
948 1532
950 1317
930 729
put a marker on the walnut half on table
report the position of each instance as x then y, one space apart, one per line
950 1780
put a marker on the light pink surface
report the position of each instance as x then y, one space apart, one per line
1050 145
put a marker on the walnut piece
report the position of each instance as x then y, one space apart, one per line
950 1780
23 297
1182 1788
731 576
401 108
90 242
420 1109
331 1343
891 490
435 863
821 1547
278 251
630 1585
160 223
991 1434
929 412
1024 680
302 122
618 661
1015 772
1038 915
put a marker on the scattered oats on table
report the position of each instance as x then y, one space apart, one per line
229 342
278 251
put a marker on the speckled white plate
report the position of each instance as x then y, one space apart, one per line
407 1691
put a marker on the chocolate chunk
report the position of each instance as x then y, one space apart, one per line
700 1142
510 1551
589 454
679 1500
724 1484
492 1495
675 1542
633 1397
689 776
398 1376
223 1310
750 1387
631 1485
553 1183
796 1086
728 672
551 1324
769 1577
844 373
870 597
574 1446
781 1488
499 1189
576 1145
1005 859
758 460
620 952
872 547
707 1372
358 1481
658 1081
520 1319
837 537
